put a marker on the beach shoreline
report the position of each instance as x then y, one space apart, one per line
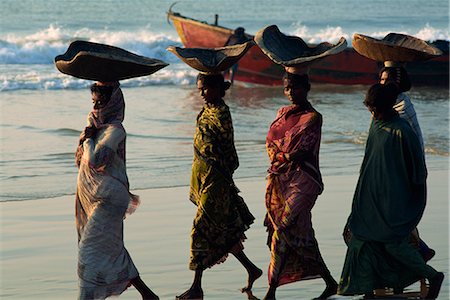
39 242
43 111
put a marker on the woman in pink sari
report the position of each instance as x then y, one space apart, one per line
294 183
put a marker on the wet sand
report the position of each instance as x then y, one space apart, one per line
39 242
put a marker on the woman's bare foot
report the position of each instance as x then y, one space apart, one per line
252 276
270 295
150 296
329 291
191 294
435 286
143 289
250 295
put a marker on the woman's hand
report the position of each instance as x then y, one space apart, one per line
79 155
88 132
281 157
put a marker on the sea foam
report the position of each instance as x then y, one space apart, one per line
333 34
42 47
27 61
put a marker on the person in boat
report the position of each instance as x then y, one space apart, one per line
294 183
392 182
237 37
103 199
222 216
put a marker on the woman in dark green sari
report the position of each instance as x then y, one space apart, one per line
388 203
222 216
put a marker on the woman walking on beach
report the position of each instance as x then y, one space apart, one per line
388 204
222 216
294 183
395 73
103 199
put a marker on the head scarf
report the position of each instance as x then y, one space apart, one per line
113 112
399 76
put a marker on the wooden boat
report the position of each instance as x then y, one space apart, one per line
347 67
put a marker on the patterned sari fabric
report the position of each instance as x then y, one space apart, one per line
292 190
222 216
102 199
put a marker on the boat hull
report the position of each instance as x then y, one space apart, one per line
347 67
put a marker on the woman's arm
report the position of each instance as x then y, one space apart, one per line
88 132
415 163
223 147
99 152
304 148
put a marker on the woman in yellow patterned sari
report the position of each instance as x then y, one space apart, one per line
222 216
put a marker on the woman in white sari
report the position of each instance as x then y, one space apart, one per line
103 199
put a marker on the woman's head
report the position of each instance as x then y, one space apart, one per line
212 87
296 87
109 105
380 98
101 94
397 75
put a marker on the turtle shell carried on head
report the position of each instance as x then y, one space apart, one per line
101 62
292 51
212 60
395 47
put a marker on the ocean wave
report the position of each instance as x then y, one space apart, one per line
328 34
58 131
428 33
33 55
42 46
64 131
159 137
33 58
45 77
333 34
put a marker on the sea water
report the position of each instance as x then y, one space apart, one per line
43 110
